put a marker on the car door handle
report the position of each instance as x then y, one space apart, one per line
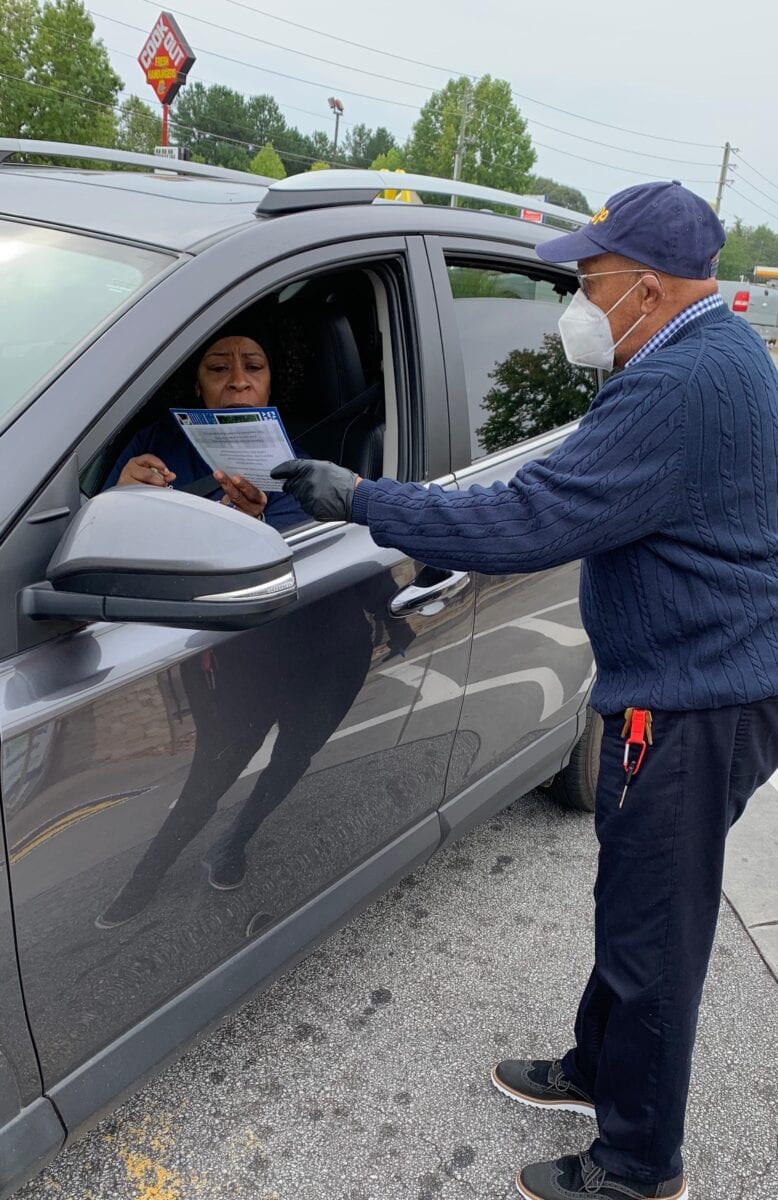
431 586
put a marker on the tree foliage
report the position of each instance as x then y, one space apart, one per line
393 160
228 129
70 89
534 390
558 193
266 162
17 98
747 247
362 145
139 128
498 149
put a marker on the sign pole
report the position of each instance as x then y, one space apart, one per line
165 116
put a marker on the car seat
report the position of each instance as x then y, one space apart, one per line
342 418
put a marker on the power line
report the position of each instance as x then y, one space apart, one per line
748 183
773 216
451 71
269 71
553 149
291 50
358 45
343 66
759 173
622 149
116 108
212 83
612 167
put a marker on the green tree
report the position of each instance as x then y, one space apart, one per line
498 149
362 144
265 120
558 193
393 160
18 19
747 247
214 122
534 390
266 162
76 89
319 166
139 128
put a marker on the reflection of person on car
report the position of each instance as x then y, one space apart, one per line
231 371
236 699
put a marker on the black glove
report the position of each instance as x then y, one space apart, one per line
323 489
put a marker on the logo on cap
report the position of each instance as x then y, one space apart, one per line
600 216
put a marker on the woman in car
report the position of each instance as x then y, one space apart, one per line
231 371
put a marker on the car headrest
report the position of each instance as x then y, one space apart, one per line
334 374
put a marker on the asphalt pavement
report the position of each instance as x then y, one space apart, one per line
363 1074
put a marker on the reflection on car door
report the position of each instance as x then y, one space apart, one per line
30 1131
512 390
182 805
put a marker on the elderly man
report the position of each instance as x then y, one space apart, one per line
668 492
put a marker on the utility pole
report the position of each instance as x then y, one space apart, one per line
461 139
722 178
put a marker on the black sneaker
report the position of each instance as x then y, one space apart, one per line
577 1175
541 1084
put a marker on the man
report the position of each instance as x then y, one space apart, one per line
668 492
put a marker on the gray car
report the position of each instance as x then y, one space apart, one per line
177 677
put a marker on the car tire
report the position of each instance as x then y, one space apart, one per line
575 786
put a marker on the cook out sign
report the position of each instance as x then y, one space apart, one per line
166 58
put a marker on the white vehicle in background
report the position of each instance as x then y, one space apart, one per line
757 302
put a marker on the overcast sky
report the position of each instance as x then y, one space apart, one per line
676 69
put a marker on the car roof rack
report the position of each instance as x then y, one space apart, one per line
324 189
177 166
308 190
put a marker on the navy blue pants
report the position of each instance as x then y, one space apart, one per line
657 901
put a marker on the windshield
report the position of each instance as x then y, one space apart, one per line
57 289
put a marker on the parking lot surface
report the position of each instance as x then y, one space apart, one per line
363 1074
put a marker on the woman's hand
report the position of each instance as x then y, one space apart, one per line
241 494
146 468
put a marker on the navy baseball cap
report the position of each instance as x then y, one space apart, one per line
663 225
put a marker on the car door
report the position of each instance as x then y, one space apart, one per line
30 1130
513 398
317 744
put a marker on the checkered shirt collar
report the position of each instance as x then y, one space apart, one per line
677 322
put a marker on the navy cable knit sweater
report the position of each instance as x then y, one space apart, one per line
668 491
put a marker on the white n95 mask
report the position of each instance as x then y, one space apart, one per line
586 333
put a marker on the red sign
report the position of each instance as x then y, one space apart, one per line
166 58
528 214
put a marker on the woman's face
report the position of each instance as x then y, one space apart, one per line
234 373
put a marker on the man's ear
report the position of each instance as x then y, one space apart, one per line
653 294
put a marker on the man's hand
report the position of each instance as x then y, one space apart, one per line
146 468
323 489
241 494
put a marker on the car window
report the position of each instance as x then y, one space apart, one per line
519 383
56 288
334 373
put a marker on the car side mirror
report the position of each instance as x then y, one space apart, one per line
154 555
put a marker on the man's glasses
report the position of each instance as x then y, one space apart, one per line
581 277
